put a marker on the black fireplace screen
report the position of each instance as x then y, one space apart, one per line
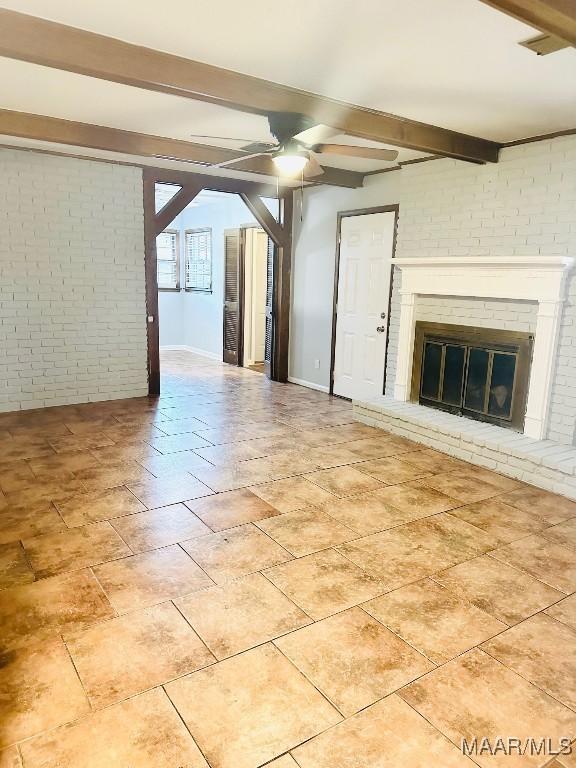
475 376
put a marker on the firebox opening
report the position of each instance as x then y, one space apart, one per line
482 373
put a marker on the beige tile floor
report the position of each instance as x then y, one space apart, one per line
239 575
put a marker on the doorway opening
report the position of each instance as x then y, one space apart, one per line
247 306
215 266
257 297
366 241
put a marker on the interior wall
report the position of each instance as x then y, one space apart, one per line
72 293
525 205
193 319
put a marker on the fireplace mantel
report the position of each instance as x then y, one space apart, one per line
539 279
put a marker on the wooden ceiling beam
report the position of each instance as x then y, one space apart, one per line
29 38
53 129
556 17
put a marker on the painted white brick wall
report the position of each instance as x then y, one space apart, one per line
523 206
495 313
72 294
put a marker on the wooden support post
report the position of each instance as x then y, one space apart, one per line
151 276
282 293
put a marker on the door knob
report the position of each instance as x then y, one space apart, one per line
383 315
381 328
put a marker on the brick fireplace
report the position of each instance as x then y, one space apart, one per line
536 279
419 410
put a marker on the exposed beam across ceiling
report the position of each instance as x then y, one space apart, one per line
53 129
28 38
557 17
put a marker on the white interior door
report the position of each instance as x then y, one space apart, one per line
366 249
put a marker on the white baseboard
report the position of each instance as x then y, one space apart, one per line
309 384
195 350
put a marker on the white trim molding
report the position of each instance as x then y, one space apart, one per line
536 278
309 384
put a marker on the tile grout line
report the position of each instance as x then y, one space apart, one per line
444 736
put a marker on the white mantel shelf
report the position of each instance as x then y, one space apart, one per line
540 279
531 278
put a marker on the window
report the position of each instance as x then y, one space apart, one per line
199 260
168 253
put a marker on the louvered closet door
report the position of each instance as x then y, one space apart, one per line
233 286
269 339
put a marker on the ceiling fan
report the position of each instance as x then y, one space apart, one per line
298 142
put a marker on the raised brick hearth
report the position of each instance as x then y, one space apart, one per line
543 463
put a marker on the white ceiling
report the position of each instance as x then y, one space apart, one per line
453 63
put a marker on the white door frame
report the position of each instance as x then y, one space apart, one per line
360 212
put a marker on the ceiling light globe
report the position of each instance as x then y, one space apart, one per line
290 163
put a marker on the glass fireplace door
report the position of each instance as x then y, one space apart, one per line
469 379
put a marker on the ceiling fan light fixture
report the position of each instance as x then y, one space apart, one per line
290 162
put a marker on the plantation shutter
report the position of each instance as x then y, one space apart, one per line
167 260
198 270
232 287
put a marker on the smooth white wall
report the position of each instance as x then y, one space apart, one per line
193 319
72 293
524 205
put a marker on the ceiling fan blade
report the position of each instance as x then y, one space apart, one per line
347 150
313 167
235 160
259 146
316 134
217 138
